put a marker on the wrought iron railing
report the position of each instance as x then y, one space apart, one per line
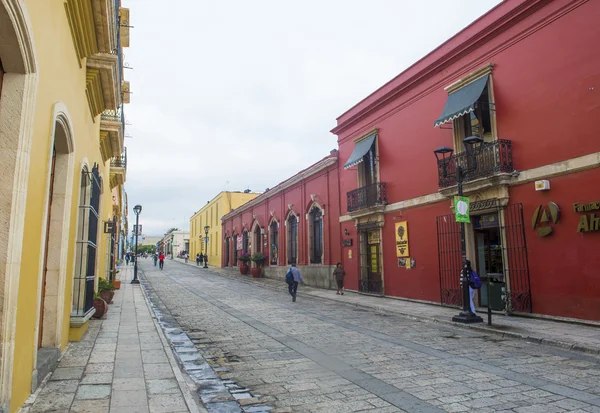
486 160
119 161
367 196
112 115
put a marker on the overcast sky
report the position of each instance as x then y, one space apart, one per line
240 94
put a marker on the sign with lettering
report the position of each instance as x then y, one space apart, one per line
588 222
109 227
373 237
347 242
239 243
402 239
485 221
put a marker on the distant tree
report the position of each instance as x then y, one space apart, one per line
171 230
149 249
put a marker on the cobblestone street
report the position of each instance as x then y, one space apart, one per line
318 355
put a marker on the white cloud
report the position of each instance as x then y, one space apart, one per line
236 94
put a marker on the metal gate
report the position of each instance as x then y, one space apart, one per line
518 295
449 256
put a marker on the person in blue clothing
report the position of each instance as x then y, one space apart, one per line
293 287
474 284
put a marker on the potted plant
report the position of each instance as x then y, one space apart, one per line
100 306
106 290
259 259
116 283
244 259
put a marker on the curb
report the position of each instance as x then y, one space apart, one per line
564 345
190 401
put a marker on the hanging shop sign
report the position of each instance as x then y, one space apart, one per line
239 243
109 227
588 222
461 209
402 239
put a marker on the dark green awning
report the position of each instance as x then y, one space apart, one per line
462 101
359 151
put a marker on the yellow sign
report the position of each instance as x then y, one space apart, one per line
373 237
374 259
402 239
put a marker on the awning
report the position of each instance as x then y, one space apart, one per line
359 151
462 101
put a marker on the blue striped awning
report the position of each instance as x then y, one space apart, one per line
462 101
359 151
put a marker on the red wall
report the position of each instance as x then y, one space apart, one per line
564 267
323 184
546 88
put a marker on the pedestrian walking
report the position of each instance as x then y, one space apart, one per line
187 257
338 276
155 258
474 283
201 259
126 259
161 260
293 277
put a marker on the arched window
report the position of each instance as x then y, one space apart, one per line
245 242
274 233
292 239
315 235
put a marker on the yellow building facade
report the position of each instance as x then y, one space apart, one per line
61 127
210 216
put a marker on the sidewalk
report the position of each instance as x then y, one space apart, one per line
566 335
123 364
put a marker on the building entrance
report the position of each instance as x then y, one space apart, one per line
489 254
370 263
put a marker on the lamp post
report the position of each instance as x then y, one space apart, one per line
137 210
444 156
206 228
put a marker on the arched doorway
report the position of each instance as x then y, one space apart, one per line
227 252
274 242
17 95
58 201
235 250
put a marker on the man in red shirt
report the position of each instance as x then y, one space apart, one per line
161 260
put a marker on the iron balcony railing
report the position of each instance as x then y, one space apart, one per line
367 196
119 161
486 160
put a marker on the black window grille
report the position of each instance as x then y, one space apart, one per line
245 242
274 231
292 239
316 235
87 238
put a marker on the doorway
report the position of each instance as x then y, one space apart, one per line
489 255
370 263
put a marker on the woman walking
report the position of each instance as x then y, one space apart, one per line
338 275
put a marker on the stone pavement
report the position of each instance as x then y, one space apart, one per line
123 364
575 336
317 355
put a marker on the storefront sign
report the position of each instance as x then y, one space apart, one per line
485 221
543 216
374 259
109 227
461 209
402 239
589 222
239 243
373 237
347 242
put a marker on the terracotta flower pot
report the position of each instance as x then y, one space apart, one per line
100 306
116 284
107 295
256 272
243 269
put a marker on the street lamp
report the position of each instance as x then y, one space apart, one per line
206 228
444 156
137 210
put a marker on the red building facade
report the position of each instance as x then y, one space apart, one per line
524 79
295 222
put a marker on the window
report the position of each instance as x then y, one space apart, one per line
292 239
315 235
217 215
87 239
245 242
235 250
479 122
367 171
274 232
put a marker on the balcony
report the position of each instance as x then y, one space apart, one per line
118 169
374 195
111 133
493 159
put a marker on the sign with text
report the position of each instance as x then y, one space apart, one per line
109 227
402 239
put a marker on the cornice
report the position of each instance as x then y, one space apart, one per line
310 171
447 54
80 15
